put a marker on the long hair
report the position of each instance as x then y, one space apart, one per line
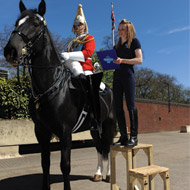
130 33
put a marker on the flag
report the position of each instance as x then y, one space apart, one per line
113 18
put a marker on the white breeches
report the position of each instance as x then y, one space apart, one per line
76 68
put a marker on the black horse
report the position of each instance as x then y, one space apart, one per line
55 106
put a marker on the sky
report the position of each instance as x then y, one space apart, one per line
162 26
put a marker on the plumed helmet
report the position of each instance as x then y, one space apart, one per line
80 18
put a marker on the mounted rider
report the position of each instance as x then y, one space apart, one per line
78 60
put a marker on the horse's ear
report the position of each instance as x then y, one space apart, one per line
42 8
22 6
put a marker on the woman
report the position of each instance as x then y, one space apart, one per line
129 54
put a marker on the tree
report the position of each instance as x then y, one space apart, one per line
60 43
4 36
107 42
153 85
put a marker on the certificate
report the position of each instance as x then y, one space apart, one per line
106 58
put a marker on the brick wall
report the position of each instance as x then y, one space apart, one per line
155 116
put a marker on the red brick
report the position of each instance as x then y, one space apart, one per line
154 116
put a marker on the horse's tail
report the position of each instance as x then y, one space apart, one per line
109 130
108 134
108 124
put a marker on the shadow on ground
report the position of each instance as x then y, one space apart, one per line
35 148
33 182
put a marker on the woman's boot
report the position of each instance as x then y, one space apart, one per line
123 140
133 141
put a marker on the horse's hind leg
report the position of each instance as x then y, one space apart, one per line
66 159
98 175
108 174
43 138
107 140
99 172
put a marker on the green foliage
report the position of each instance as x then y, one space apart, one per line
108 78
14 98
156 86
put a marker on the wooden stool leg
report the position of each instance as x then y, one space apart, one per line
128 156
116 187
166 180
113 170
144 183
151 182
134 152
131 181
149 153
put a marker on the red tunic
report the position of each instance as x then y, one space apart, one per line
86 44
88 49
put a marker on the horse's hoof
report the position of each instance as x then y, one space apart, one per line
97 178
108 179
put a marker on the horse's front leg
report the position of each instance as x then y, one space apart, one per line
43 138
66 159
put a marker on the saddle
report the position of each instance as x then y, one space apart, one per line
89 89
85 109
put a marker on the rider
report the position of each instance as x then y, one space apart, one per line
78 60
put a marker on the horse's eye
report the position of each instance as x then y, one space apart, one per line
35 24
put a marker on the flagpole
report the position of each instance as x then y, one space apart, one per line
113 24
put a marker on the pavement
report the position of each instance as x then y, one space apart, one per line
170 149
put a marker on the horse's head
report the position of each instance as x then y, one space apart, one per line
29 28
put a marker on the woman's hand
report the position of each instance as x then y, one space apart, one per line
134 61
118 61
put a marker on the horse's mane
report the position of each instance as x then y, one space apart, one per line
52 44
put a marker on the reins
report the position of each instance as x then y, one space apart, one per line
25 60
27 50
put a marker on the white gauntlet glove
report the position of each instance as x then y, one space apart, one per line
65 56
75 56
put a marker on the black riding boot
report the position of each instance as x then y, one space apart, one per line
133 141
94 81
124 136
122 127
123 140
81 83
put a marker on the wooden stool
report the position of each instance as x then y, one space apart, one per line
142 174
130 156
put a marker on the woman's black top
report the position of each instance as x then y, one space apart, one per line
123 51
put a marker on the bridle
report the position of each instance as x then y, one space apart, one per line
27 50
25 60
